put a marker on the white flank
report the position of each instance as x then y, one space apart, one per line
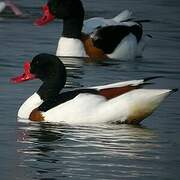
70 47
80 110
126 50
30 104
142 44
93 109
140 103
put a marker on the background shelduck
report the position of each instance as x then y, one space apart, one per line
115 38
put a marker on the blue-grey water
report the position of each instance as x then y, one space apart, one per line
52 152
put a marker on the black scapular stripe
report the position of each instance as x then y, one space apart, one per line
107 38
62 98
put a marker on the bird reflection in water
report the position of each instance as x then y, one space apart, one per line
61 151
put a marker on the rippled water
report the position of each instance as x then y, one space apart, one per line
53 152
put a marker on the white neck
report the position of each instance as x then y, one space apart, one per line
70 47
30 104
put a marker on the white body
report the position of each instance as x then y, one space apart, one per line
88 108
126 50
129 48
142 44
92 109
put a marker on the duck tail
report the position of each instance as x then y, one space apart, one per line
174 90
151 100
152 77
143 21
146 81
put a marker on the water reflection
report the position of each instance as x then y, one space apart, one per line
80 68
37 142
64 151
74 71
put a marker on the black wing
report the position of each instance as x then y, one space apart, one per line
62 98
107 38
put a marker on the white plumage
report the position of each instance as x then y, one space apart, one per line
70 47
88 108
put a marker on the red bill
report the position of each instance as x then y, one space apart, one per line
46 18
25 76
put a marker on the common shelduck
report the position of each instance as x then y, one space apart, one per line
123 41
9 4
122 102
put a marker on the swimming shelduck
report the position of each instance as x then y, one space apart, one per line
111 38
122 102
